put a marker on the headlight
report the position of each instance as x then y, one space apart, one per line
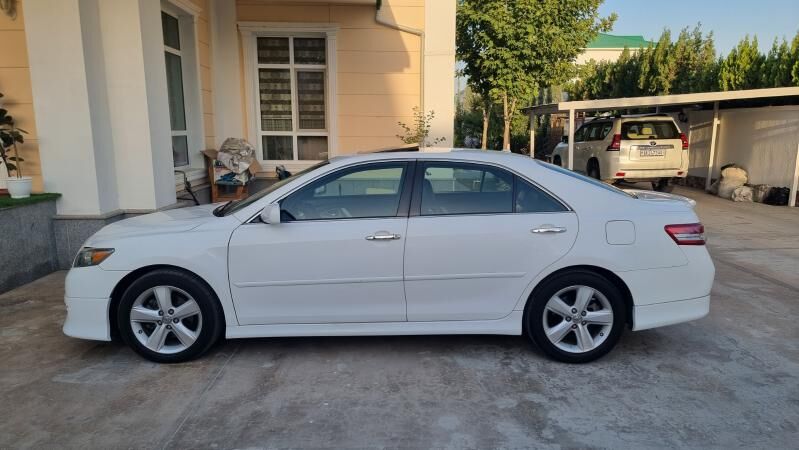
88 256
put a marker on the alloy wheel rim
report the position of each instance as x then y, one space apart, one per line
166 319
577 319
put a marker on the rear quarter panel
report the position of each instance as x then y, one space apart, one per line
651 250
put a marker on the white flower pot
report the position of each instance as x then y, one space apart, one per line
20 187
3 176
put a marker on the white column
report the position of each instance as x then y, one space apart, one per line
711 160
99 91
60 85
795 183
439 68
228 120
532 135
571 139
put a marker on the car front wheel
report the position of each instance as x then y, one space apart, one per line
576 317
169 316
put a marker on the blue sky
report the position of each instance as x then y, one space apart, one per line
730 20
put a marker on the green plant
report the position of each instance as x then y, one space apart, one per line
10 135
513 48
419 130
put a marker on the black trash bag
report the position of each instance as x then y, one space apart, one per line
777 196
282 173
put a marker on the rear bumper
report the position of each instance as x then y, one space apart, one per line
669 313
647 174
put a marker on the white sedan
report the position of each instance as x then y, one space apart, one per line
462 242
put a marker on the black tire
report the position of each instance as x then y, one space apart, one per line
663 185
212 317
593 170
536 308
556 161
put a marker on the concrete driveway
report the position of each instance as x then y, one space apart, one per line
729 380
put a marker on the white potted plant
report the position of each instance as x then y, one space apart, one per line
19 186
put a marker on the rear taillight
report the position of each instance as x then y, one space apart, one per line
684 141
615 144
687 233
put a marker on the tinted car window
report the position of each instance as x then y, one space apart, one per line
530 199
649 129
593 132
580 133
367 191
455 188
606 127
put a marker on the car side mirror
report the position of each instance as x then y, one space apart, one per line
271 214
565 139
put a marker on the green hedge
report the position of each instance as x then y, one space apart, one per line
8 202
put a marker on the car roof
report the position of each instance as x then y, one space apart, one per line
454 154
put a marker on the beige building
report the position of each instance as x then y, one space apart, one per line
117 95
608 47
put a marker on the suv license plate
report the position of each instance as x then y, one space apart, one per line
646 152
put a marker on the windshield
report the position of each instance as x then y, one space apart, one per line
237 205
586 179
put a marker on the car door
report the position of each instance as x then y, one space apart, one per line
336 255
590 138
579 148
477 236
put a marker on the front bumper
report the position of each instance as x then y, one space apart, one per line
87 318
88 297
669 313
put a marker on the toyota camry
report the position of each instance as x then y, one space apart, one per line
407 243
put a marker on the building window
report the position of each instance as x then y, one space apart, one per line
292 106
175 89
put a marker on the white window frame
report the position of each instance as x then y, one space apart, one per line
250 32
186 14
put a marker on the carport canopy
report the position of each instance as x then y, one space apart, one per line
664 103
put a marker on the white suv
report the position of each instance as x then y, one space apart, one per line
631 148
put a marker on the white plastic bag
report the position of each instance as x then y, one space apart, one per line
731 178
742 194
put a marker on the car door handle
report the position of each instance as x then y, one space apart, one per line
548 229
382 236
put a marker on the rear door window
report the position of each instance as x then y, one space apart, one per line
463 188
530 199
593 132
649 129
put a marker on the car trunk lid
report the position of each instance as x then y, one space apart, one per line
650 145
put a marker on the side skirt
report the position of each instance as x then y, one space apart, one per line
509 325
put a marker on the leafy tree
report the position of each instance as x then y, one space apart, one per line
777 65
794 58
741 69
512 48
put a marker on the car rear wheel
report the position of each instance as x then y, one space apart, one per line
576 317
593 169
169 316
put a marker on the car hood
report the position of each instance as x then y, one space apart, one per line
169 221
660 196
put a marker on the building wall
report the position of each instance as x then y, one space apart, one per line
599 54
378 68
762 140
15 84
203 29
